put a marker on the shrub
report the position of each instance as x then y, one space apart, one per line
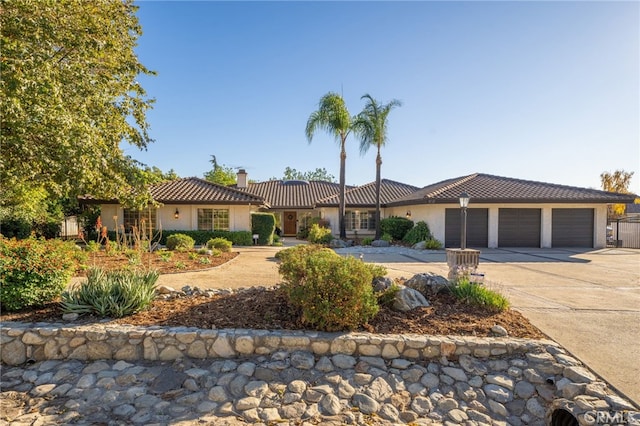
204 260
388 296
377 271
221 244
180 242
263 224
237 238
386 237
476 294
34 271
366 241
433 244
319 235
420 232
303 233
395 226
165 256
332 292
92 247
111 294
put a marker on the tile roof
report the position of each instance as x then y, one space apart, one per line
292 194
365 195
484 188
199 191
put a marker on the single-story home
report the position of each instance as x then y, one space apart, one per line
502 212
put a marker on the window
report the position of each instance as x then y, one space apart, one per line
358 221
139 218
213 220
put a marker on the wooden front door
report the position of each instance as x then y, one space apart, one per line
290 223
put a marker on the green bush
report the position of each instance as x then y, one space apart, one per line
477 294
34 271
263 224
420 232
386 237
395 226
433 244
15 228
180 242
303 233
388 296
319 235
332 292
366 241
111 294
237 238
221 244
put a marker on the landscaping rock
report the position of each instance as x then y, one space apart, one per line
407 299
380 243
427 283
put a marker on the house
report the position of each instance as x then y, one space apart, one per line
503 212
187 204
507 212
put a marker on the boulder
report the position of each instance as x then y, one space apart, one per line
380 243
420 246
337 243
427 283
407 299
381 283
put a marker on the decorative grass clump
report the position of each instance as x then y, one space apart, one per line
111 293
477 294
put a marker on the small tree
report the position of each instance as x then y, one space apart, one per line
617 181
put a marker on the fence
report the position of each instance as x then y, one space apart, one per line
624 232
69 227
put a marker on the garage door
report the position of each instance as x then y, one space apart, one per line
572 228
519 228
477 227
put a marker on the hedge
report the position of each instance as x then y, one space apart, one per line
263 224
238 238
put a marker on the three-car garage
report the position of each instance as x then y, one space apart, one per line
522 227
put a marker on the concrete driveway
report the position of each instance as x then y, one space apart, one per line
587 301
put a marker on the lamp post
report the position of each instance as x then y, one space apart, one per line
464 202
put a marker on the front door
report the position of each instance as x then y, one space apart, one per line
290 223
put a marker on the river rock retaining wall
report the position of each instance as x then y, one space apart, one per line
445 378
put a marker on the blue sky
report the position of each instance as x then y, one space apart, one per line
546 91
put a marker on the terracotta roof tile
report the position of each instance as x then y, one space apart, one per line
365 195
292 194
199 191
496 189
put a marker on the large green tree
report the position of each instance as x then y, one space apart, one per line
220 174
333 117
617 181
319 174
70 98
371 127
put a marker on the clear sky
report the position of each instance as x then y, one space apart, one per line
546 91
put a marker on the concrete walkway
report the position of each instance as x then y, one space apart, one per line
587 301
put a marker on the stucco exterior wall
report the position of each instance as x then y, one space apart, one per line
239 216
434 216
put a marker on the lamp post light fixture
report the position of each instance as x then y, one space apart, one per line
464 203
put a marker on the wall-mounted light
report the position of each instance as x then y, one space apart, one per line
176 215
408 214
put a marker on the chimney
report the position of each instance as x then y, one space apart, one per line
242 178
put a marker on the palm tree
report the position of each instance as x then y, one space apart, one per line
332 116
371 127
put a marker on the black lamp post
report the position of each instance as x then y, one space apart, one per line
464 202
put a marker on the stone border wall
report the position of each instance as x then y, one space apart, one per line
39 342
535 378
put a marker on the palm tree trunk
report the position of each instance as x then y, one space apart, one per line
342 212
378 184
